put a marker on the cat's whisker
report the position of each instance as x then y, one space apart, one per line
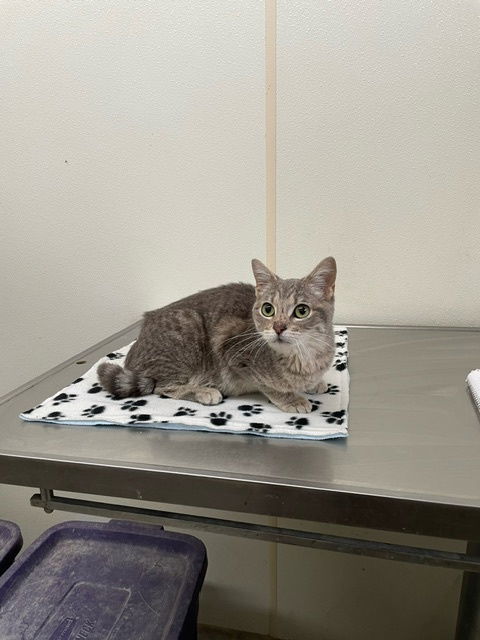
305 355
244 335
243 342
262 344
249 332
240 341
241 337
237 355
324 342
303 350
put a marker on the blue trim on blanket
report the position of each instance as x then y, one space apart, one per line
170 426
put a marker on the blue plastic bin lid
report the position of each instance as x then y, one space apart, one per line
10 543
92 581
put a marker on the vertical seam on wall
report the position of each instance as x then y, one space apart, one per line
271 220
271 131
273 558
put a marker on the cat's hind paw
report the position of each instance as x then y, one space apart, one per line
208 395
321 387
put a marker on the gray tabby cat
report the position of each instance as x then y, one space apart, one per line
276 338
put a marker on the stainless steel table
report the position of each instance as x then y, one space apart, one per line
410 464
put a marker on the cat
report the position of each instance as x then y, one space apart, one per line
276 338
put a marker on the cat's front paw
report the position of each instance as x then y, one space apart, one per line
295 404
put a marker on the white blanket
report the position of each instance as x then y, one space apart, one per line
84 402
473 381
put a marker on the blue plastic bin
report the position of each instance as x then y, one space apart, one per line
10 543
92 581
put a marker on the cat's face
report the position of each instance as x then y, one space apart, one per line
292 315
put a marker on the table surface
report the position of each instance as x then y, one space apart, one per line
410 463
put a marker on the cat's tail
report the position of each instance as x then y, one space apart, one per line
123 383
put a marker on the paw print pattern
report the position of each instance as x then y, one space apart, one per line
77 380
298 423
334 417
54 415
63 397
332 389
141 417
340 339
185 411
341 352
220 418
132 405
93 411
28 411
250 409
339 364
114 355
96 388
315 404
259 427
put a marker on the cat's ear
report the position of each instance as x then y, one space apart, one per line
263 275
323 277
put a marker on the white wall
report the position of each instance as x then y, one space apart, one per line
378 155
131 164
132 173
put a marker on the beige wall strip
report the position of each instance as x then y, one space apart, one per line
271 130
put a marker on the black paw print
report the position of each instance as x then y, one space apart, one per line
220 418
315 404
334 417
96 388
342 332
332 389
185 411
259 427
140 417
30 410
54 415
114 355
77 380
132 405
298 423
340 344
250 409
63 397
339 365
93 411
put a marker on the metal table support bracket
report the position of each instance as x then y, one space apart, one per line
469 562
468 620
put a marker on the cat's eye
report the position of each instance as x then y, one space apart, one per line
301 311
267 310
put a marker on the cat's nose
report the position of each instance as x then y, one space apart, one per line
279 327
